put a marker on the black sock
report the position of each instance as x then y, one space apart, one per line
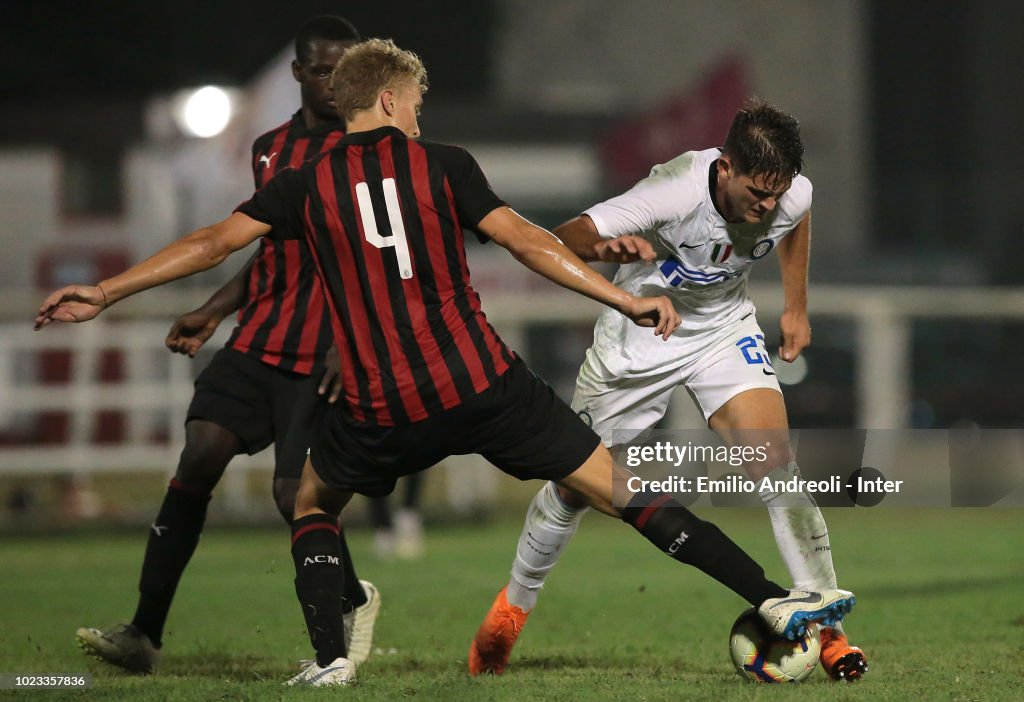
172 540
355 596
681 534
319 583
413 488
380 513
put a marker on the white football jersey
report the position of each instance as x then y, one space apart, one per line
703 261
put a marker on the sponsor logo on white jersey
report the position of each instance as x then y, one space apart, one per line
677 274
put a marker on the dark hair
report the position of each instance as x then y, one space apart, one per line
326 27
764 140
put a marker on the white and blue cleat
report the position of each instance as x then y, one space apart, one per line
789 616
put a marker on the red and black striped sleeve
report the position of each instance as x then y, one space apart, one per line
474 198
280 204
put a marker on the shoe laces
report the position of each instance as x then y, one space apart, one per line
507 621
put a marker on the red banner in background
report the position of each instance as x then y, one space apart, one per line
697 119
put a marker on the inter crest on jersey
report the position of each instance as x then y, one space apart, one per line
762 248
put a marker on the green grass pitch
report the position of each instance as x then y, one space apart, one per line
940 614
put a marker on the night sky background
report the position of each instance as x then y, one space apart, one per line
132 49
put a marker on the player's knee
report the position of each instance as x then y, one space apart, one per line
770 455
311 498
208 450
599 499
284 497
595 482
199 468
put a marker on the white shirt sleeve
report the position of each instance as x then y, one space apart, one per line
668 194
797 201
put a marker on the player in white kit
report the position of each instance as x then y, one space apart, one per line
692 230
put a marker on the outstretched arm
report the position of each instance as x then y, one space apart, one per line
542 252
794 258
199 251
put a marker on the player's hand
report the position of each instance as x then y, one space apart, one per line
190 331
330 384
795 332
73 303
624 249
657 312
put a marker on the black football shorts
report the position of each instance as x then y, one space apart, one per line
261 405
518 424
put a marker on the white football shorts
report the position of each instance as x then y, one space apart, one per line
622 406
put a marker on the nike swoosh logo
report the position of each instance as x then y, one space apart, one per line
819 536
690 246
810 599
767 372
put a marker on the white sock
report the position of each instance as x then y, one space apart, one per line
801 534
550 524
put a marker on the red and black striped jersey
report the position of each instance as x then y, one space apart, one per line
384 218
284 321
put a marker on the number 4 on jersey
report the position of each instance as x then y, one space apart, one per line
397 240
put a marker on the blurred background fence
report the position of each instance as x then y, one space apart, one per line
95 404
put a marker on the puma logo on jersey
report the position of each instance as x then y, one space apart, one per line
265 159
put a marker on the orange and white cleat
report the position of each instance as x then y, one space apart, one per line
492 645
840 660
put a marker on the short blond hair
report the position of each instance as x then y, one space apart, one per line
370 67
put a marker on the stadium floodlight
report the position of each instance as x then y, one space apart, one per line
204 112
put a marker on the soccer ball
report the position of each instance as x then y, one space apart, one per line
762 656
